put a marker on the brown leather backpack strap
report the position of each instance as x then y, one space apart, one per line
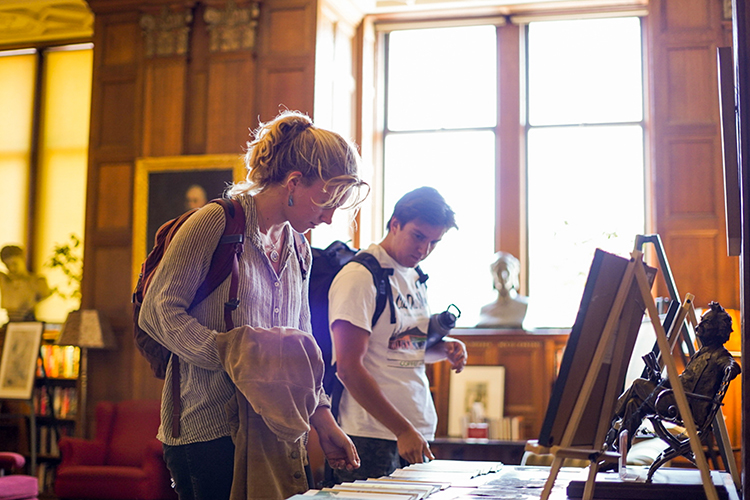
175 396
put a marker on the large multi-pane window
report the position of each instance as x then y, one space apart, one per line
441 135
585 155
581 143
44 124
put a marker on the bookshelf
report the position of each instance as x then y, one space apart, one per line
55 401
34 426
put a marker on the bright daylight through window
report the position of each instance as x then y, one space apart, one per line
584 153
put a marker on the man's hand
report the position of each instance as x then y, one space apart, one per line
413 448
339 450
455 351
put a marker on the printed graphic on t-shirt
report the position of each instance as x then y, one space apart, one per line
406 348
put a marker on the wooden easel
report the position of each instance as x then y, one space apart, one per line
719 425
634 271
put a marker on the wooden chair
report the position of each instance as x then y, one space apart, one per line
679 444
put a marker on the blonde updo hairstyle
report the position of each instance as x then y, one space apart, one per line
290 142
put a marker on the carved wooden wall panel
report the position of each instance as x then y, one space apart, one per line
285 88
691 100
231 78
114 197
289 30
687 162
164 105
530 361
690 171
117 108
286 62
119 38
687 14
689 250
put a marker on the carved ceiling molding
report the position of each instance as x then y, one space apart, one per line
166 34
24 22
232 28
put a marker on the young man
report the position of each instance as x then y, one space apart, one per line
387 408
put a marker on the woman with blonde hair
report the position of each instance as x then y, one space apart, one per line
298 176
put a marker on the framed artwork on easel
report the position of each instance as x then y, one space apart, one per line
19 359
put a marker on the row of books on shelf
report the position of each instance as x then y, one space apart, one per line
56 401
45 473
49 435
504 429
60 361
415 482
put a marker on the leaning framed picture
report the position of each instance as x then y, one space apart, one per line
19 359
482 386
167 186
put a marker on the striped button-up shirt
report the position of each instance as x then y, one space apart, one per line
267 300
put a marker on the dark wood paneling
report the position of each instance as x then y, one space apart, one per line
290 31
117 114
164 104
690 171
688 251
687 163
686 15
286 64
530 361
114 196
120 41
691 98
284 88
231 79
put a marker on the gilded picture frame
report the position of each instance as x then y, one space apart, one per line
19 360
162 187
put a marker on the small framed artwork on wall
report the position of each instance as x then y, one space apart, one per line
18 363
477 389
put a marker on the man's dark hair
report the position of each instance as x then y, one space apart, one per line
425 204
715 325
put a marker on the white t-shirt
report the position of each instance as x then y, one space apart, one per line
395 353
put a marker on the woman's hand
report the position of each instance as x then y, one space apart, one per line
339 450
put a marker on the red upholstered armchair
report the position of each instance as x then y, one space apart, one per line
16 486
123 462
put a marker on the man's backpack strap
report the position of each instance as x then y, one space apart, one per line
422 276
381 279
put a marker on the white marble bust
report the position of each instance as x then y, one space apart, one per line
509 310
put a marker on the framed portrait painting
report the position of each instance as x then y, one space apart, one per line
166 187
19 359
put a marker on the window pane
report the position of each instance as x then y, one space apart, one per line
585 71
585 191
17 76
442 78
63 163
460 165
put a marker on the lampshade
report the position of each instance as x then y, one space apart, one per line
87 328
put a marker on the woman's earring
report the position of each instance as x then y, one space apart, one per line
291 201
